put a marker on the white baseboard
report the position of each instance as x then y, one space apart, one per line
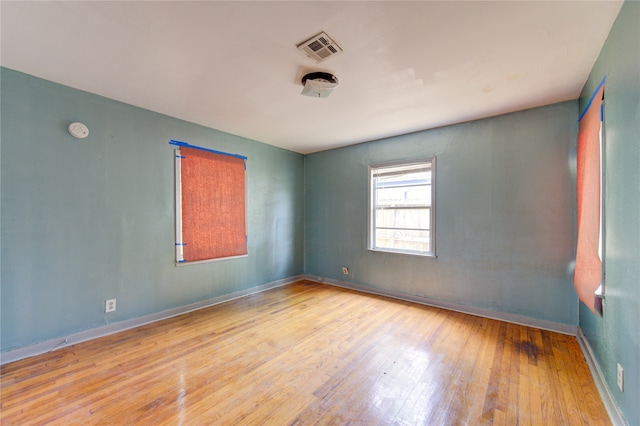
481 312
605 393
82 336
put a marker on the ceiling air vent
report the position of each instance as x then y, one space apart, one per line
319 47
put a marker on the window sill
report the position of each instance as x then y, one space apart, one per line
217 259
407 253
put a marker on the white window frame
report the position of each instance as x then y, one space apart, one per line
600 290
429 162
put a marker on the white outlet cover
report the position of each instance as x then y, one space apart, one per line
620 378
110 305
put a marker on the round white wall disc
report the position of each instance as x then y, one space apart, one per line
78 130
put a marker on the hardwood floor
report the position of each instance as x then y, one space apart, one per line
304 354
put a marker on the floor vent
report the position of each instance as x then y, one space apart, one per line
319 47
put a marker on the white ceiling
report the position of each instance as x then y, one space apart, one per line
234 66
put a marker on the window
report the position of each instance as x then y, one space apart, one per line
210 204
402 208
588 276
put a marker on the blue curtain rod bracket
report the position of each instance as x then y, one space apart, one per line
593 95
186 145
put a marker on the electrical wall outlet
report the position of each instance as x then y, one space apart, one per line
620 378
110 305
345 270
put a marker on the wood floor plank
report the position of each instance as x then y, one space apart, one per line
309 353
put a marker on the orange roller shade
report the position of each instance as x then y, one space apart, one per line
588 272
213 205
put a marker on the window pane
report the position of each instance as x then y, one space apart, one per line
410 218
402 170
403 240
410 178
404 196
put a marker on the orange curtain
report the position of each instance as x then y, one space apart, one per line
588 272
213 205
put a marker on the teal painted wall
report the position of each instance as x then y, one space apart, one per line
615 338
84 220
504 214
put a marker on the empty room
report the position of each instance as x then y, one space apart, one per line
318 212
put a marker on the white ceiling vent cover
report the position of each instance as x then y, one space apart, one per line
319 47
